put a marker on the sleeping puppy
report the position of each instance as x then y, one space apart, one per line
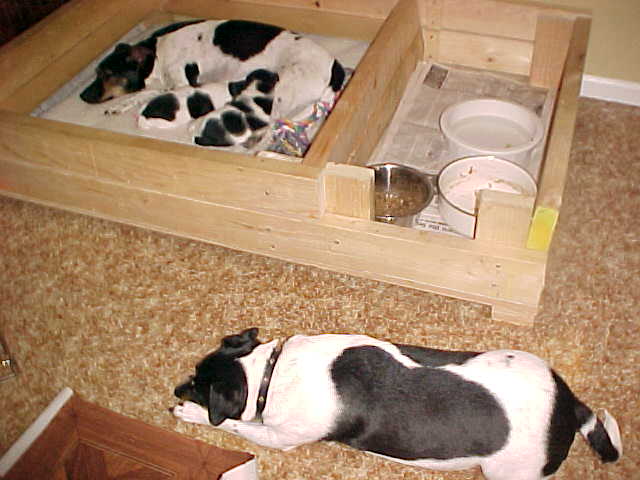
177 61
505 411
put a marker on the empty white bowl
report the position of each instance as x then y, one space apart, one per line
487 126
460 181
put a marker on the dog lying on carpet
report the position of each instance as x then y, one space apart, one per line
503 410
234 76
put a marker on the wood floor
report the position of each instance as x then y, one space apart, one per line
87 442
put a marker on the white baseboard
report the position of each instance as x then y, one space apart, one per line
611 89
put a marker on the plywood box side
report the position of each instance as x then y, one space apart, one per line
509 19
357 247
306 19
148 164
563 123
493 35
84 26
366 8
386 104
485 52
558 149
342 132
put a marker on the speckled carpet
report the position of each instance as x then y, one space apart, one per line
121 314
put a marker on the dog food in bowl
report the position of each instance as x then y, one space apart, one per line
400 193
487 126
460 181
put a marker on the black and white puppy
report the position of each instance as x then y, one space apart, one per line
503 410
188 69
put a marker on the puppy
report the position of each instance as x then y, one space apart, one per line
505 411
206 59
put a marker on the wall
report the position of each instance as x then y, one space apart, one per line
614 43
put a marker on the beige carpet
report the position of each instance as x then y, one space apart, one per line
121 314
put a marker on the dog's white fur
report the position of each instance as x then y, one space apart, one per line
303 404
304 68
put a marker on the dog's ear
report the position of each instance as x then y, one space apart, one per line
140 53
241 343
122 48
226 400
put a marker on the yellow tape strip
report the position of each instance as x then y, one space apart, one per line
542 227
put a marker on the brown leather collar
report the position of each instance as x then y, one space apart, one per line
261 403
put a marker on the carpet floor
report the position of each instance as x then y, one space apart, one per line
121 314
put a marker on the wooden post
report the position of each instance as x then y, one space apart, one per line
503 218
553 33
554 171
348 190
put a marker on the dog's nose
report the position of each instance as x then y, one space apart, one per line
94 92
179 391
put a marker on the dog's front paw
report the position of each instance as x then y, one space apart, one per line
192 413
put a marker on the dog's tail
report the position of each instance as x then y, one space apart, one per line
603 436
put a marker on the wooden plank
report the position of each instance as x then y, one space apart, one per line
166 167
318 21
491 17
341 133
455 267
481 51
503 218
556 164
553 34
348 191
387 104
521 315
370 8
45 43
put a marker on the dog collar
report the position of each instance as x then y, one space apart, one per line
261 403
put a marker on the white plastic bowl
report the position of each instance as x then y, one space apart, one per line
459 181
487 126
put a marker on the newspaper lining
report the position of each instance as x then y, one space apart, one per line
414 138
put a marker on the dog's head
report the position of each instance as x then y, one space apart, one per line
220 383
123 71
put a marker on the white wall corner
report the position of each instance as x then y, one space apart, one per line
611 89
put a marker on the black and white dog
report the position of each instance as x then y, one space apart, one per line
503 410
233 75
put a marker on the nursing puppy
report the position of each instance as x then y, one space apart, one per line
503 410
200 62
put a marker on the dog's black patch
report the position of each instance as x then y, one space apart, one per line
192 72
174 27
413 414
220 384
266 80
569 414
199 104
241 105
337 76
432 357
234 122
243 39
562 428
213 135
255 123
265 103
163 106
236 88
601 442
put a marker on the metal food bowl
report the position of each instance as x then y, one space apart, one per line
401 193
